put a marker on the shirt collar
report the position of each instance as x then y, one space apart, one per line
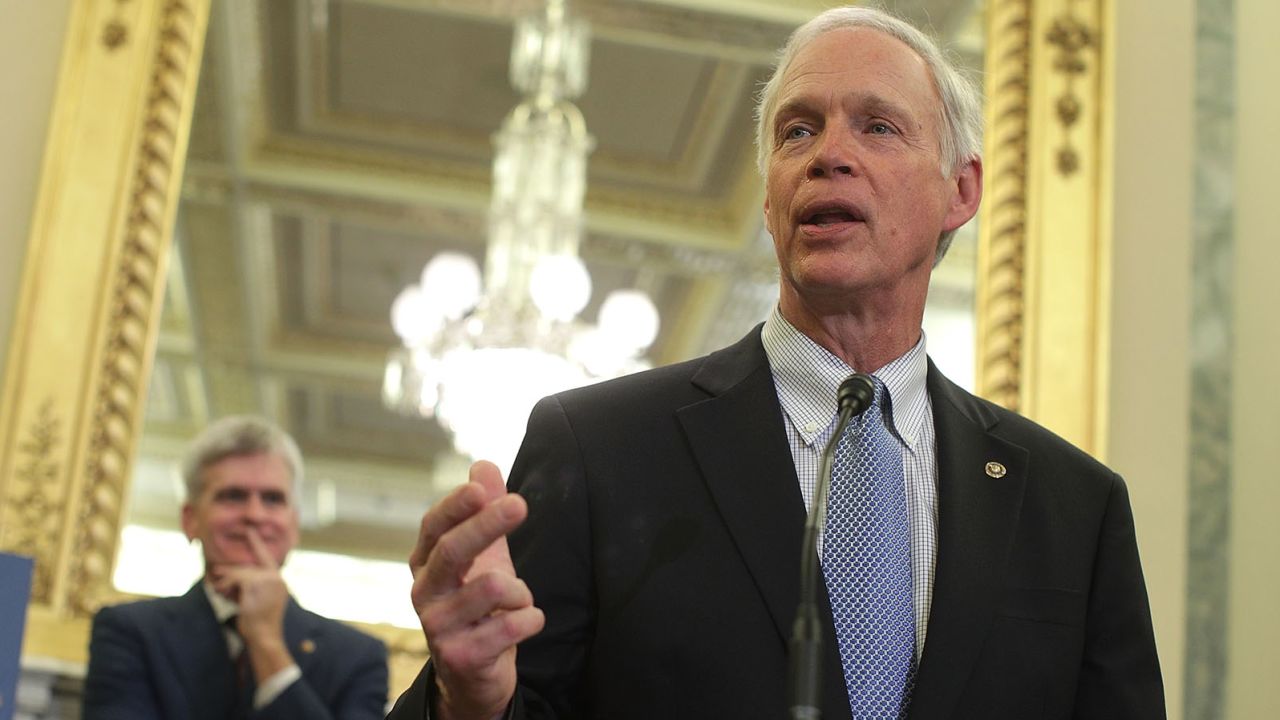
808 375
223 608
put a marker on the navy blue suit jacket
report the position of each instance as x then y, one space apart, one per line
166 659
663 543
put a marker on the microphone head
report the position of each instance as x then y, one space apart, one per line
855 394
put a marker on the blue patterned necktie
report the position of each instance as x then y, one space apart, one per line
866 561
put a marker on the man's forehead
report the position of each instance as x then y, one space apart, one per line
865 67
857 51
254 470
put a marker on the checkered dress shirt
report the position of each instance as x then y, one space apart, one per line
806 376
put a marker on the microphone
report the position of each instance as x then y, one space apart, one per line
853 398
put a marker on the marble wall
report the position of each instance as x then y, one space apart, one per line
1212 335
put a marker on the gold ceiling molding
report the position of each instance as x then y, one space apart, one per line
384 176
747 33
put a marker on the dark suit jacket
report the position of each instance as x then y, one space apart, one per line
167 659
663 542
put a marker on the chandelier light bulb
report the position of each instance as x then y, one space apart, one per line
412 318
630 319
560 286
451 284
503 339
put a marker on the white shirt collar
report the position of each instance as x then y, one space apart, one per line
223 608
808 375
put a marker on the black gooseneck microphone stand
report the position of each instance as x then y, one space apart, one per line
853 397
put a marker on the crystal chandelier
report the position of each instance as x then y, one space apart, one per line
478 358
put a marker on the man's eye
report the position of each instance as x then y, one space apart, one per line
796 131
231 496
273 499
880 128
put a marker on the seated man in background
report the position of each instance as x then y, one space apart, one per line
236 645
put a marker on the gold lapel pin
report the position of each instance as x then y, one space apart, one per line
995 470
307 646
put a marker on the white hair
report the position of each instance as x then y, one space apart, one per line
238 436
960 129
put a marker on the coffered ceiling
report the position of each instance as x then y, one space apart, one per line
338 144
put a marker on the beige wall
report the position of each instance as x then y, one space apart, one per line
1254 621
30 48
1150 406
1152 240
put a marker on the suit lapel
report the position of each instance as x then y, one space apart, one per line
737 439
977 515
300 636
199 652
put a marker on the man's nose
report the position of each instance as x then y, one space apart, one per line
833 155
253 507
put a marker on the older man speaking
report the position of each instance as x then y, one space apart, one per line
974 565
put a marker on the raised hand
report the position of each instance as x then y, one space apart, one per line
473 608
260 592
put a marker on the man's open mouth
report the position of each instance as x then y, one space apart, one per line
830 214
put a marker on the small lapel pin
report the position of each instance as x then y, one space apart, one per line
995 470
307 646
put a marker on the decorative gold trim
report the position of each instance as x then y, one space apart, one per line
1003 216
136 300
406 654
1072 38
34 529
88 310
1042 313
115 32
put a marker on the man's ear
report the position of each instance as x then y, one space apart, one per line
295 533
966 194
189 521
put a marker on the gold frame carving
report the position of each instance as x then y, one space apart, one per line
89 305
1002 219
88 310
135 299
1044 249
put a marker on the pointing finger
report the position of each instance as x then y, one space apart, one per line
459 547
460 504
485 484
260 550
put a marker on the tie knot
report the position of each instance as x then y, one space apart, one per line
881 408
235 641
880 392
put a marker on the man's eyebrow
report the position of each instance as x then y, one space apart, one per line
879 105
866 103
792 106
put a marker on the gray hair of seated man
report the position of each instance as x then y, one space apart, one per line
238 436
